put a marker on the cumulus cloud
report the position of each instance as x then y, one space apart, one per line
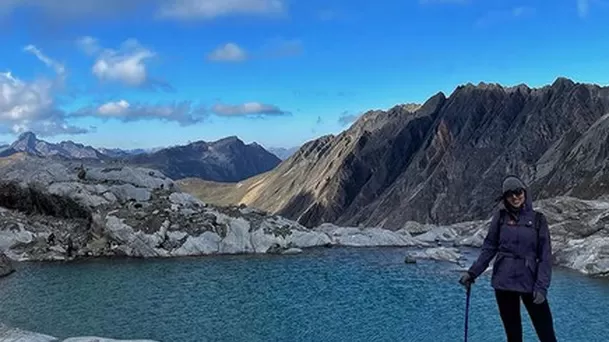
276 48
248 109
30 106
345 118
209 9
229 52
184 113
125 65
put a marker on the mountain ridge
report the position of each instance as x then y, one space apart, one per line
226 159
440 163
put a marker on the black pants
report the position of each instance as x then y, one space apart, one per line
540 314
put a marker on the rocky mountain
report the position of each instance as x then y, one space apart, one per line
442 162
121 153
28 142
282 152
224 160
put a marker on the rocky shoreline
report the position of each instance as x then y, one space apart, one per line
51 211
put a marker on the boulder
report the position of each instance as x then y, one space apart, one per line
6 266
439 254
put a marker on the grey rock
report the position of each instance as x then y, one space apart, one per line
185 199
410 259
6 266
438 253
127 192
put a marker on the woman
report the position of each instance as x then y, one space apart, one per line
522 270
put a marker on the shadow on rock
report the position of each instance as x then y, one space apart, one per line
33 200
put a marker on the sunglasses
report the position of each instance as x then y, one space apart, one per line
515 192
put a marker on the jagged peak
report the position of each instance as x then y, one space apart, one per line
519 87
27 136
563 82
229 139
484 85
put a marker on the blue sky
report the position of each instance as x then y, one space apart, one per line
148 73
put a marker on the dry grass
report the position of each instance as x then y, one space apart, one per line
214 192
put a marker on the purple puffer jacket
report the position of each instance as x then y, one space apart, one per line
518 265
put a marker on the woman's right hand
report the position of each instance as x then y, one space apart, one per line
466 280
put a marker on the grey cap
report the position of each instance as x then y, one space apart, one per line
512 183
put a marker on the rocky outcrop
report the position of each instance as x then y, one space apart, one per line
6 266
8 334
49 213
443 162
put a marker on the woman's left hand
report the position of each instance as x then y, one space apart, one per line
538 297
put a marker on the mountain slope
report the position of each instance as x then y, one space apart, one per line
442 163
225 160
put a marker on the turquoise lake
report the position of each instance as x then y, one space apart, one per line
333 294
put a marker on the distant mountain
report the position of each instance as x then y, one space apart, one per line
224 160
282 152
443 161
120 153
28 143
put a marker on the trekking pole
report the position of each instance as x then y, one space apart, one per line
467 296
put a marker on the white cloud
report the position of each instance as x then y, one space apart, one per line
59 68
183 113
229 52
118 108
125 65
583 7
30 106
248 109
209 9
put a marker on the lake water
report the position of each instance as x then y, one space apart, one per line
336 294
